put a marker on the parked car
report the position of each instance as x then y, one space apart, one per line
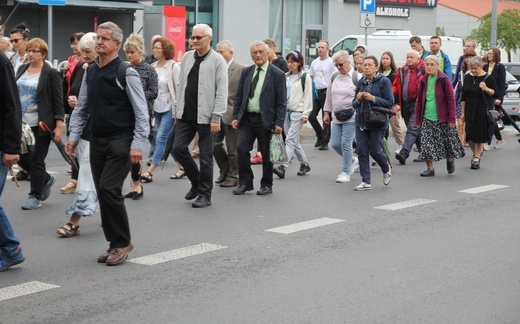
511 102
513 68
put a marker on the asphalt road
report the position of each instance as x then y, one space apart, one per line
437 255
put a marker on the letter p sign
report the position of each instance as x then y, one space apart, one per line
367 6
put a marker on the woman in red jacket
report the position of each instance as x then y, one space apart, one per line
435 112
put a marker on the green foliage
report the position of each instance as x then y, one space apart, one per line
439 31
508 22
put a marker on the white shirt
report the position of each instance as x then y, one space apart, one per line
321 70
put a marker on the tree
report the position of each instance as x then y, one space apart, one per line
508 22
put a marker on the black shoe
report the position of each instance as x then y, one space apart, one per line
129 195
201 202
192 194
304 168
323 147
136 195
264 191
418 159
450 165
475 165
20 176
220 179
279 171
428 173
318 142
401 158
241 189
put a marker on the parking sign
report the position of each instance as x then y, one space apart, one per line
367 6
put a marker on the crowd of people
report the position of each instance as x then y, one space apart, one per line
111 107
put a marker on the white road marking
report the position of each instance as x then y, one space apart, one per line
406 204
288 229
24 289
477 190
177 254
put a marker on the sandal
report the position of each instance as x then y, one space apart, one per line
147 177
179 175
68 232
475 163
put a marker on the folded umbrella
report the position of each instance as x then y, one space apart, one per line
169 145
60 146
386 149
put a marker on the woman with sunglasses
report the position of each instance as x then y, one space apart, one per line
45 105
299 106
19 38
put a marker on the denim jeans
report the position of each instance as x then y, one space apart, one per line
293 127
8 240
370 141
413 134
341 141
164 122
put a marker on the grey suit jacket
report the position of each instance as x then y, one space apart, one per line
234 73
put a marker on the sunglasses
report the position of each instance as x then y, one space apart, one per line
198 37
15 40
339 64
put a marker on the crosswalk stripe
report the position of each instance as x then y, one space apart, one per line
177 254
406 204
288 229
24 289
481 189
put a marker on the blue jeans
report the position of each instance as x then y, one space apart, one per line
341 141
370 141
8 240
164 122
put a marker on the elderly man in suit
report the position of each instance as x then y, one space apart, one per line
259 111
228 161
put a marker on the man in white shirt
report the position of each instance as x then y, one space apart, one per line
321 69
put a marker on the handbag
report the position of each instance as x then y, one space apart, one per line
277 150
344 114
490 117
374 118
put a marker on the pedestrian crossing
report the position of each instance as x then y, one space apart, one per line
35 287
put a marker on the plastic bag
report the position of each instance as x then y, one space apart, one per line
277 149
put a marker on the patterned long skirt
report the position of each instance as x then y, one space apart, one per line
439 141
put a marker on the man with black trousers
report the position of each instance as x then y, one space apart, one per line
119 128
260 108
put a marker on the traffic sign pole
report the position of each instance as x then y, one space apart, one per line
367 7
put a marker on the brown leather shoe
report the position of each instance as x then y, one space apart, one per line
229 183
118 255
103 257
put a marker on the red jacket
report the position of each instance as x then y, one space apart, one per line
397 85
444 98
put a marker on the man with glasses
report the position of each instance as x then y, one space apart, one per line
118 116
405 87
260 108
320 71
470 45
201 101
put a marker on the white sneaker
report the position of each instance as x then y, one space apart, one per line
499 144
387 177
399 147
343 178
487 147
363 186
354 165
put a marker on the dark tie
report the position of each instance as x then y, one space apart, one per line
254 83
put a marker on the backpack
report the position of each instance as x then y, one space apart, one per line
121 72
355 77
314 89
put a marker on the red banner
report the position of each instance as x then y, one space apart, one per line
175 28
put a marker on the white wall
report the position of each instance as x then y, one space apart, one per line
455 23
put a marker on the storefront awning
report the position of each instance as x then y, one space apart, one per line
96 4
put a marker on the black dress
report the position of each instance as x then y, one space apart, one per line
476 107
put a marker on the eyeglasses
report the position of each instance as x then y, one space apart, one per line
15 40
339 64
430 64
258 52
198 37
103 38
33 51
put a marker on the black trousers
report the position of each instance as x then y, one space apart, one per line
110 163
321 133
251 128
184 133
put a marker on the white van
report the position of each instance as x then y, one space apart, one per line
397 42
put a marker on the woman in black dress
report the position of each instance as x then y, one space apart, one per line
477 92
